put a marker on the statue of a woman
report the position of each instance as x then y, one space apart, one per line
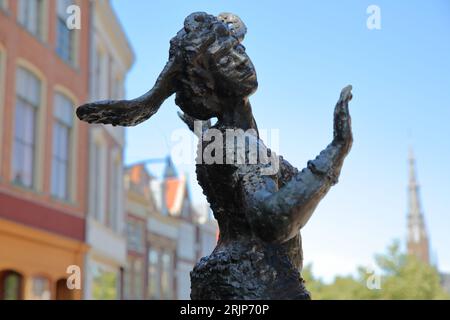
260 214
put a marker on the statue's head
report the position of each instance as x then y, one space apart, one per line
208 70
214 67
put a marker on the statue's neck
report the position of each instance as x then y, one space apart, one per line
238 115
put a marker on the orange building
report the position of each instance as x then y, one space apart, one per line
44 69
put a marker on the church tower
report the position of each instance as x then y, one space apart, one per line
418 244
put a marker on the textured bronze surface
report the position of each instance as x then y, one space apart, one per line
258 255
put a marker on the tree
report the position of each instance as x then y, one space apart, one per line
406 277
402 277
342 288
105 286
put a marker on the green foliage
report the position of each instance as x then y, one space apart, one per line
105 286
402 277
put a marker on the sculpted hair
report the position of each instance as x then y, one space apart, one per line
200 46
197 54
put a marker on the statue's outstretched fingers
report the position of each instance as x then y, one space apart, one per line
87 112
346 94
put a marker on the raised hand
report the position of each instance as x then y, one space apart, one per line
106 112
342 120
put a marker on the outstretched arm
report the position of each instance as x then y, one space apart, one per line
132 112
278 214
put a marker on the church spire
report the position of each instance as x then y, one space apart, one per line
417 235
169 170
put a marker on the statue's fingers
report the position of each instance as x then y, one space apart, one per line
346 94
96 111
85 112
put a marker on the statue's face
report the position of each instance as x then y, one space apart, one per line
236 75
216 70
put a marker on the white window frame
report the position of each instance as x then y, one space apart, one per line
46 284
2 96
154 267
97 175
4 5
65 124
41 125
95 70
135 236
167 271
73 150
72 42
116 190
138 278
26 101
25 15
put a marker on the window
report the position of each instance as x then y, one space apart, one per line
135 232
166 276
153 274
127 282
97 185
138 279
117 88
31 16
2 69
160 275
96 71
134 279
28 91
62 128
3 4
10 285
40 289
2 91
65 42
96 182
115 193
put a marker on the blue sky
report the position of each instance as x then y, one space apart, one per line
305 52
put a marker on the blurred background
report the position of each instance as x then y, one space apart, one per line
96 212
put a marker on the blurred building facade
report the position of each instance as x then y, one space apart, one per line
44 73
175 202
208 231
152 240
161 257
139 207
65 198
111 57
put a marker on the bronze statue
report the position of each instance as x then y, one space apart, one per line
259 254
